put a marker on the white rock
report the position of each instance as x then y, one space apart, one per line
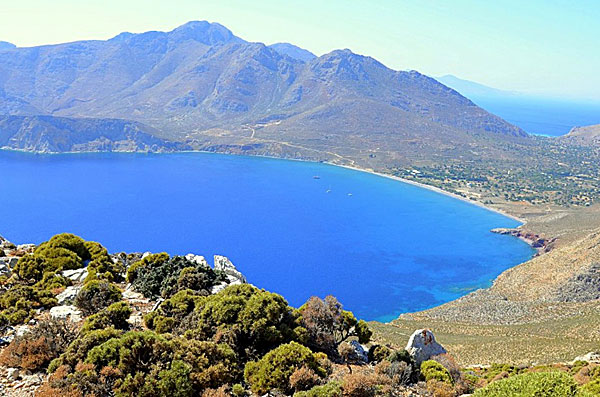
66 312
68 295
12 374
197 259
360 351
223 264
76 274
591 357
21 330
422 346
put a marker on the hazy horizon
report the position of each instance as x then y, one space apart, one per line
539 48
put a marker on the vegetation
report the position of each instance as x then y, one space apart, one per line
239 341
555 384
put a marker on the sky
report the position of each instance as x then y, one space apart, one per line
541 47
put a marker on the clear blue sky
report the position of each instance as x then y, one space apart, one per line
549 47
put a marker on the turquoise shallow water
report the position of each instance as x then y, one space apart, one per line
381 246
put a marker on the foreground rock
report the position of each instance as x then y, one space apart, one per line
422 346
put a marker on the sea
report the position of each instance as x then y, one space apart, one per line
300 229
542 116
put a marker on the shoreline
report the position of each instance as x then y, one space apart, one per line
434 189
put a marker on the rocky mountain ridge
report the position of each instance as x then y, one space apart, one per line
202 85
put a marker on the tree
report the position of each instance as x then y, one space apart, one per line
328 324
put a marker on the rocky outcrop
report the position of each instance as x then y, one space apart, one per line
51 134
68 295
66 312
542 244
422 346
582 287
234 276
77 275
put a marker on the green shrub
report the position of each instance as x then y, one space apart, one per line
273 371
592 388
175 381
378 353
32 267
18 304
211 364
400 355
172 311
80 347
115 316
150 260
164 276
252 320
555 384
331 389
59 258
132 352
238 390
68 242
432 370
96 295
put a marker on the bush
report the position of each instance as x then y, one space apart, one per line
78 349
154 260
331 389
18 304
252 321
360 385
211 364
68 242
378 353
32 267
432 370
164 276
172 311
555 384
115 316
274 370
400 355
96 295
35 349
303 379
238 390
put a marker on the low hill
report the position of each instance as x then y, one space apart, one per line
584 135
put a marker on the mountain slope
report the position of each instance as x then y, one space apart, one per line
588 135
59 134
203 85
293 51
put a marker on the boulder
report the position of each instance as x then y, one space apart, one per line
66 312
422 346
197 259
68 295
76 274
361 353
591 357
224 265
12 374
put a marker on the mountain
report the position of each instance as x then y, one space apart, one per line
5 45
202 85
59 134
584 135
473 90
293 51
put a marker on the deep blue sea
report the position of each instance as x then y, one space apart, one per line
542 116
381 246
